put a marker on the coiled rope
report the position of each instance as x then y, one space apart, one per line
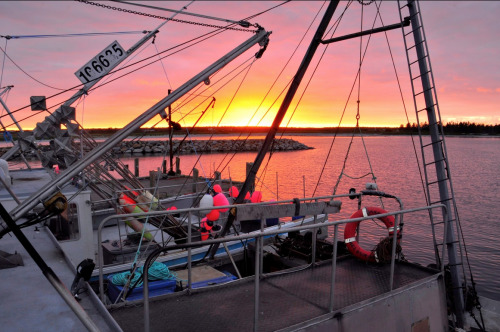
157 271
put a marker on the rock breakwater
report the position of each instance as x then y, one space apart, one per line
147 147
197 146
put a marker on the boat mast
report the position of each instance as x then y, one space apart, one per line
439 157
316 41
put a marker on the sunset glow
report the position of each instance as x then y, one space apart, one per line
462 39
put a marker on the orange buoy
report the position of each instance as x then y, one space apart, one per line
213 215
351 228
221 200
205 227
256 197
234 192
217 188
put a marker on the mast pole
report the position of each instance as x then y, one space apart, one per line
313 46
170 137
440 167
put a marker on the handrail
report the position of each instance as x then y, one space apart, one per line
259 236
189 211
233 238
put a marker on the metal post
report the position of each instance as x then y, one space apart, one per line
190 221
177 165
277 187
287 100
441 171
257 284
136 167
145 293
170 137
334 267
313 239
397 222
304 185
195 180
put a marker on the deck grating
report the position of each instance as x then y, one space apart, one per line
285 300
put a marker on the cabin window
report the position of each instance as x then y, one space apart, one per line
65 226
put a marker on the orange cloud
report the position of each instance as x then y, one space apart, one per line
481 89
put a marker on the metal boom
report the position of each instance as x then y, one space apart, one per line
261 37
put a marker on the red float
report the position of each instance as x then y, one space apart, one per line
350 232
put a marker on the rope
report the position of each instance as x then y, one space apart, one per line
198 39
334 28
49 86
161 62
75 34
342 115
157 271
163 17
404 104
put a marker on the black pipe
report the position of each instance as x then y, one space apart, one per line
405 23
280 115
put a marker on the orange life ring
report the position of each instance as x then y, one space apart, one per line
351 228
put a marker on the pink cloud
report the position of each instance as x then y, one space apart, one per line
481 89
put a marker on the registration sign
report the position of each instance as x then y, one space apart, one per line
101 64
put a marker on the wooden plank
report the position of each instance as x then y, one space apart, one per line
286 210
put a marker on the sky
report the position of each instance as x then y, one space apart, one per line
462 37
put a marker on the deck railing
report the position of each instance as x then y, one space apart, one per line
314 206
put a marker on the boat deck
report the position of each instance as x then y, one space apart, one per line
28 300
285 299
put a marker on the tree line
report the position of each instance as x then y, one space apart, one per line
455 128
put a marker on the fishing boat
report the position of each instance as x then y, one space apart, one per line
222 260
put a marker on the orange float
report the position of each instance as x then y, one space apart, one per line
351 229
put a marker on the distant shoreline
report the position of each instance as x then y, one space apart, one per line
450 130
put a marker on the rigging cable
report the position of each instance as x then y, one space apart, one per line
342 116
229 27
185 13
248 67
34 79
269 91
404 104
87 34
334 28
358 116
114 71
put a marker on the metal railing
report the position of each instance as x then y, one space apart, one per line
258 237
246 211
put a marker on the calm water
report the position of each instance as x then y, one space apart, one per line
474 164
